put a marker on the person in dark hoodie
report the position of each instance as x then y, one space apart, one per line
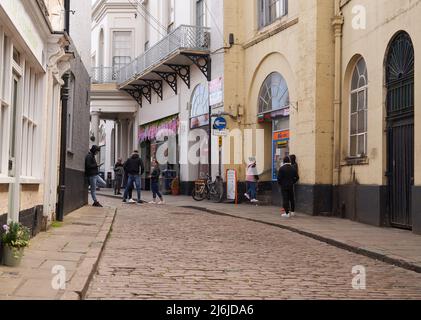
134 169
287 178
92 173
156 173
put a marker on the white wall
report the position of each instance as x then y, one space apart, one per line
80 24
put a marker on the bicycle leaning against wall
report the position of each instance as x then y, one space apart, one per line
208 189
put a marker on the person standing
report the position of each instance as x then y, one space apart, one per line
119 174
156 173
294 163
92 173
287 178
252 179
134 168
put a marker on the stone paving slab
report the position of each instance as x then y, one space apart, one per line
67 245
398 247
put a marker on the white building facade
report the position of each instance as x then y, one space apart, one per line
159 55
33 59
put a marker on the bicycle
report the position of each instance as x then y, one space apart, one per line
208 189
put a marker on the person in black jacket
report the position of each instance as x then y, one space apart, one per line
118 178
287 178
156 173
92 173
134 169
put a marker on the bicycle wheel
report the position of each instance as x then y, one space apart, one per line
198 195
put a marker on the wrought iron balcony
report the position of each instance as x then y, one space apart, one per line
183 39
102 75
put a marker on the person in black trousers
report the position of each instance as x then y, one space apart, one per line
119 174
287 178
156 173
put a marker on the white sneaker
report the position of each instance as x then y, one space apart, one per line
285 215
247 196
254 201
152 202
292 214
161 202
131 201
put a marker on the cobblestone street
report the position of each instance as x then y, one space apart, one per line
168 252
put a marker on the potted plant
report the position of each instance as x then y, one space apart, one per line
15 239
175 187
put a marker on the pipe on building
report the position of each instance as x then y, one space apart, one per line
63 134
337 24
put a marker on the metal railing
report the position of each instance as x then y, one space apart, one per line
183 38
104 75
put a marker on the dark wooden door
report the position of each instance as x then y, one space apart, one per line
400 123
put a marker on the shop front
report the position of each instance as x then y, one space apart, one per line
274 110
159 141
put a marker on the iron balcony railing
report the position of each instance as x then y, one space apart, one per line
185 38
104 75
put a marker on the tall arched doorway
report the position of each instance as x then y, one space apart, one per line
274 104
400 128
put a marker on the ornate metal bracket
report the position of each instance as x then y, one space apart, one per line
182 71
136 94
170 78
203 62
145 91
156 86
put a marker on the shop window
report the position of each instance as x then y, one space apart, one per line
274 94
358 111
271 10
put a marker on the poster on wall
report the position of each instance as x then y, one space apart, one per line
216 92
232 185
280 150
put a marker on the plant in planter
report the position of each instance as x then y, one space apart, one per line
175 187
15 239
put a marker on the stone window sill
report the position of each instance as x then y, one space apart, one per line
6 180
29 180
358 161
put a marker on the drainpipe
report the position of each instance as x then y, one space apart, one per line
337 24
63 135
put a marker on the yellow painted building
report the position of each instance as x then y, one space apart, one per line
335 83
289 45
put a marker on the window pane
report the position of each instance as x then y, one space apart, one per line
361 144
361 100
354 124
362 121
353 146
354 102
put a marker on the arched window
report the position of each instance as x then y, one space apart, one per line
358 110
274 94
199 101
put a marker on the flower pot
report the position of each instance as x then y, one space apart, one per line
175 191
11 256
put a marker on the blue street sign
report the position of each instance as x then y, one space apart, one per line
220 123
